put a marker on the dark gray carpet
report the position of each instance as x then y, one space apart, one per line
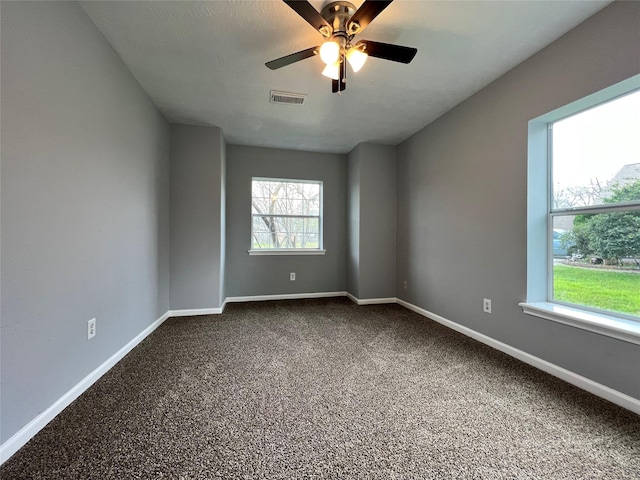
327 389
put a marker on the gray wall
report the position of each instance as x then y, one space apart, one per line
353 218
372 221
223 223
269 275
85 206
197 217
462 185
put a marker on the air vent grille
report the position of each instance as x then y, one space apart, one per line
287 98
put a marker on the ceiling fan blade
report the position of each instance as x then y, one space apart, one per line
369 10
294 57
395 53
311 15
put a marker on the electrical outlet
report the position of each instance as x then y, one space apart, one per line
292 276
486 305
91 329
405 285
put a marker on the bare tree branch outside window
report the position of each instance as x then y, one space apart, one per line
578 195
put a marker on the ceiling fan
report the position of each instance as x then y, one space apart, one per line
339 22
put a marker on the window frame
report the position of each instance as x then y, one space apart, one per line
286 250
540 213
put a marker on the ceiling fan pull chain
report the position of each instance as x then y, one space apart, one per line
343 74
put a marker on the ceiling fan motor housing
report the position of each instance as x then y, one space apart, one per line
337 14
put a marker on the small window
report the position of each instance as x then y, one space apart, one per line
595 207
286 216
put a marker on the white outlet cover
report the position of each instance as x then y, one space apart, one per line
486 305
91 329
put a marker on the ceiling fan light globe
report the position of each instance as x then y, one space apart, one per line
330 52
332 71
356 58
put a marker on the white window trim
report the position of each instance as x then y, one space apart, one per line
288 251
538 219
616 327
294 251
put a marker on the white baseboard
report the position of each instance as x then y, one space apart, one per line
614 396
286 296
196 311
20 438
371 301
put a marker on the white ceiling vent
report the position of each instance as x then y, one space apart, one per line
287 98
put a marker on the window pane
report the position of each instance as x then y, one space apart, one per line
596 260
285 232
285 198
596 155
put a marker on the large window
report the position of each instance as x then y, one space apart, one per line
583 258
286 216
595 207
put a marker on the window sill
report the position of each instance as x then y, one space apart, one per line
288 251
620 328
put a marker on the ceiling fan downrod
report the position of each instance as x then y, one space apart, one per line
337 14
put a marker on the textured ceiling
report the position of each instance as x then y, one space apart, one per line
202 63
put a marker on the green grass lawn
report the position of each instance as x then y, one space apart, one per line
608 290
